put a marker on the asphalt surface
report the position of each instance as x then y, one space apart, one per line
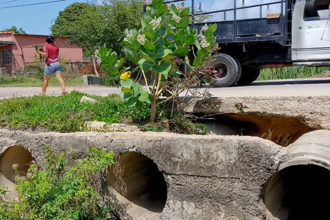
282 88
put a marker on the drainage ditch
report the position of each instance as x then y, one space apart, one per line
13 155
146 188
279 129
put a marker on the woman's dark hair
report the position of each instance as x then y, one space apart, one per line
50 39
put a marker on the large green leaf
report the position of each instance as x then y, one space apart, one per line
159 44
127 43
112 72
202 53
173 6
145 98
149 32
193 31
189 40
160 54
126 90
149 46
162 10
157 4
183 23
120 63
208 33
131 54
146 18
184 12
137 89
135 44
213 27
166 21
179 37
126 83
132 101
146 65
103 51
113 59
105 60
181 51
197 61
163 69
211 40
125 95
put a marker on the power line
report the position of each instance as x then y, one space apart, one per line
8 2
39 3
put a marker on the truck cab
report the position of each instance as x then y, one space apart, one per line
311 33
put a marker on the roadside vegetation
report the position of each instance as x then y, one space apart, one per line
67 114
296 72
60 191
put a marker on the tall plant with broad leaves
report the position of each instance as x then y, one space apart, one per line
162 45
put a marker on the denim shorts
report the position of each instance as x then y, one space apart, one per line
52 68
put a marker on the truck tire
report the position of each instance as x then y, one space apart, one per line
228 68
248 76
239 70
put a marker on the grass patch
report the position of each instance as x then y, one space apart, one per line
31 81
295 72
65 113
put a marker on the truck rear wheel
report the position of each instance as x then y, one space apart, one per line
227 67
248 76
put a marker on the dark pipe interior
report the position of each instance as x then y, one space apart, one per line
146 186
299 193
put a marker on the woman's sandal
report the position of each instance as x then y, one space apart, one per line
41 94
63 93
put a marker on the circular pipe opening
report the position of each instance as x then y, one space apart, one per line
298 193
146 188
13 155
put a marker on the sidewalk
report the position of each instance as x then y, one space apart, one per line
6 92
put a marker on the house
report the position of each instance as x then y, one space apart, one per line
17 50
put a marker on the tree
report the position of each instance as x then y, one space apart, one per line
14 29
119 15
81 22
91 26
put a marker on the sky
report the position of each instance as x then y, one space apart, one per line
38 18
33 19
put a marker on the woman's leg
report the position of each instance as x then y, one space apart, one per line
61 81
45 85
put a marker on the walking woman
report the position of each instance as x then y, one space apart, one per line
53 65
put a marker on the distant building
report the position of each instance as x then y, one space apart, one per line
17 50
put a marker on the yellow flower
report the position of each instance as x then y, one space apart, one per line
125 75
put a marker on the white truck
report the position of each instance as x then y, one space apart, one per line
259 34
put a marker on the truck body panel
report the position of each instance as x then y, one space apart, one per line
261 34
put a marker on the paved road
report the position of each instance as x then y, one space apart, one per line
283 88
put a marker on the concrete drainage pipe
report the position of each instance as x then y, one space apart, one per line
301 188
146 187
13 155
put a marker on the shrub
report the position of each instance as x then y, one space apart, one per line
58 191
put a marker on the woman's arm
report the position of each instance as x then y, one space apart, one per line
42 53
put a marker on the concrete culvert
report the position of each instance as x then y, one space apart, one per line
298 193
279 129
13 155
145 184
